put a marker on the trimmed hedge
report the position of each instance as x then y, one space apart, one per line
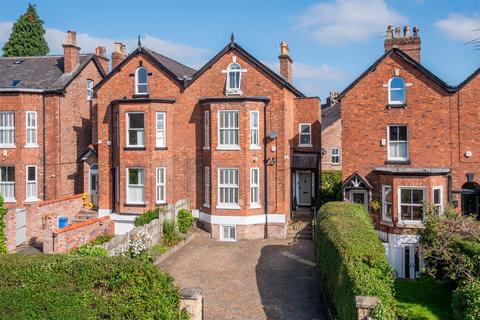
331 186
466 301
73 287
351 260
185 220
146 217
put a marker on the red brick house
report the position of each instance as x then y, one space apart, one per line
234 137
409 139
45 125
331 134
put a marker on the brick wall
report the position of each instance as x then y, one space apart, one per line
10 230
75 235
332 138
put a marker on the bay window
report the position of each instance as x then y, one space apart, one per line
161 137
254 188
31 125
228 188
161 190
411 203
135 186
206 132
438 199
228 131
207 187
7 129
135 129
254 130
387 203
7 183
32 184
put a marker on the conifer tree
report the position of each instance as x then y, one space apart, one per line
27 37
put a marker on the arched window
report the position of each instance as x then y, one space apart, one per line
141 81
234 78
396 91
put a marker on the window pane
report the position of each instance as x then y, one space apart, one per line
305 129
304 139
31 174
393 133
397 83
133 176
405 212
397 96
417 196
406 196
136 120
436 196
402 133
417 213
142 75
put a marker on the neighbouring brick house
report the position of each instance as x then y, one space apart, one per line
332 134
237 139
45 125
408 139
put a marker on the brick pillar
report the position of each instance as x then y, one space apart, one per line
192 302
364 305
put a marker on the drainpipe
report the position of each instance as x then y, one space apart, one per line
44 162
265 174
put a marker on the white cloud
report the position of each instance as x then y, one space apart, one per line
190 55
459 26
343 21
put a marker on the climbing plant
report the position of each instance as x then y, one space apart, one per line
3 212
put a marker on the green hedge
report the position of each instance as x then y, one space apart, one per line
466 301
146 217
73 287
331 186
185 220
351 260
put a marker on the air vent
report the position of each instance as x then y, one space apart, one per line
17 62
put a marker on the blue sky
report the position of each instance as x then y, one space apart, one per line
331 42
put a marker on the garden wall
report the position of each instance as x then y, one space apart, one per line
73 236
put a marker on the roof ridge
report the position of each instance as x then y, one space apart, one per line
46 56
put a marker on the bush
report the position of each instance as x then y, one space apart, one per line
170 233
147 216
157 250
101 239
351 260
331 186
3 212
466 301
89 250
185 220
73 287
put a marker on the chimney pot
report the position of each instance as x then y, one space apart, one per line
415 31
71 38
407 43
406 32
71 53
397 33
285 62
119 54
389 32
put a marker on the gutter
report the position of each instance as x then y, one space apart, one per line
265 170
44 162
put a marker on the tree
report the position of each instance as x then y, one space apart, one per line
27 37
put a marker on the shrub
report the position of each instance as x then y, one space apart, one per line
73 287
101 239
351 260
466 301
138 245
148 216
90 251
331 186
3 212
157 250
170 233
185 220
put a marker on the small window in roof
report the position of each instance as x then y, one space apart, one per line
17 62
15 83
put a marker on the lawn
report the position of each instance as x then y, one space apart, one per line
423 299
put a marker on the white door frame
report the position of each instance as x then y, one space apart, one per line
298 188
365 196
411 262
93 172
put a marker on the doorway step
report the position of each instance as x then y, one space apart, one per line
300 227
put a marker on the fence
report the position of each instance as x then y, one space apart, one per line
153 229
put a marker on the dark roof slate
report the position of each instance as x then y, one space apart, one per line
40 73
330 115
175 67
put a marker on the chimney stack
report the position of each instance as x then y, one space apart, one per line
408 44
285 62
101 53
71 53
119 54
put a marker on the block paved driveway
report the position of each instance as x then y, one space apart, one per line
255 279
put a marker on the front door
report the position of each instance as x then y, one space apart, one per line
359 196
304 188
411 262
21 229
471 204
94 185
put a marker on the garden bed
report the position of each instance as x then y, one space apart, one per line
425 298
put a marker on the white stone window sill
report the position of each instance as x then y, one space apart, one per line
255 206
135 203
161 203
228 206
10 200
233 92
255 148
305 145
228 148
32 200
7 146
30 146
206 205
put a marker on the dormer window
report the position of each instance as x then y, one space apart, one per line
234 79
396 91
141 81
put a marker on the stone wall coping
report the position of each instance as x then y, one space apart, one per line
192 293
61 199
365 302
81 224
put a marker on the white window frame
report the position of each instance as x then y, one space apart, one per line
384 203
255 188
127 185
300 134
89 89
439 205
222 238
161 197
337 154
365 197
398 141
127 114
229 146
206 128
137 83
6 129
254 130
28 127
228 89
9 183
207 187
160 132
399 206
34 182
397 102
228 205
